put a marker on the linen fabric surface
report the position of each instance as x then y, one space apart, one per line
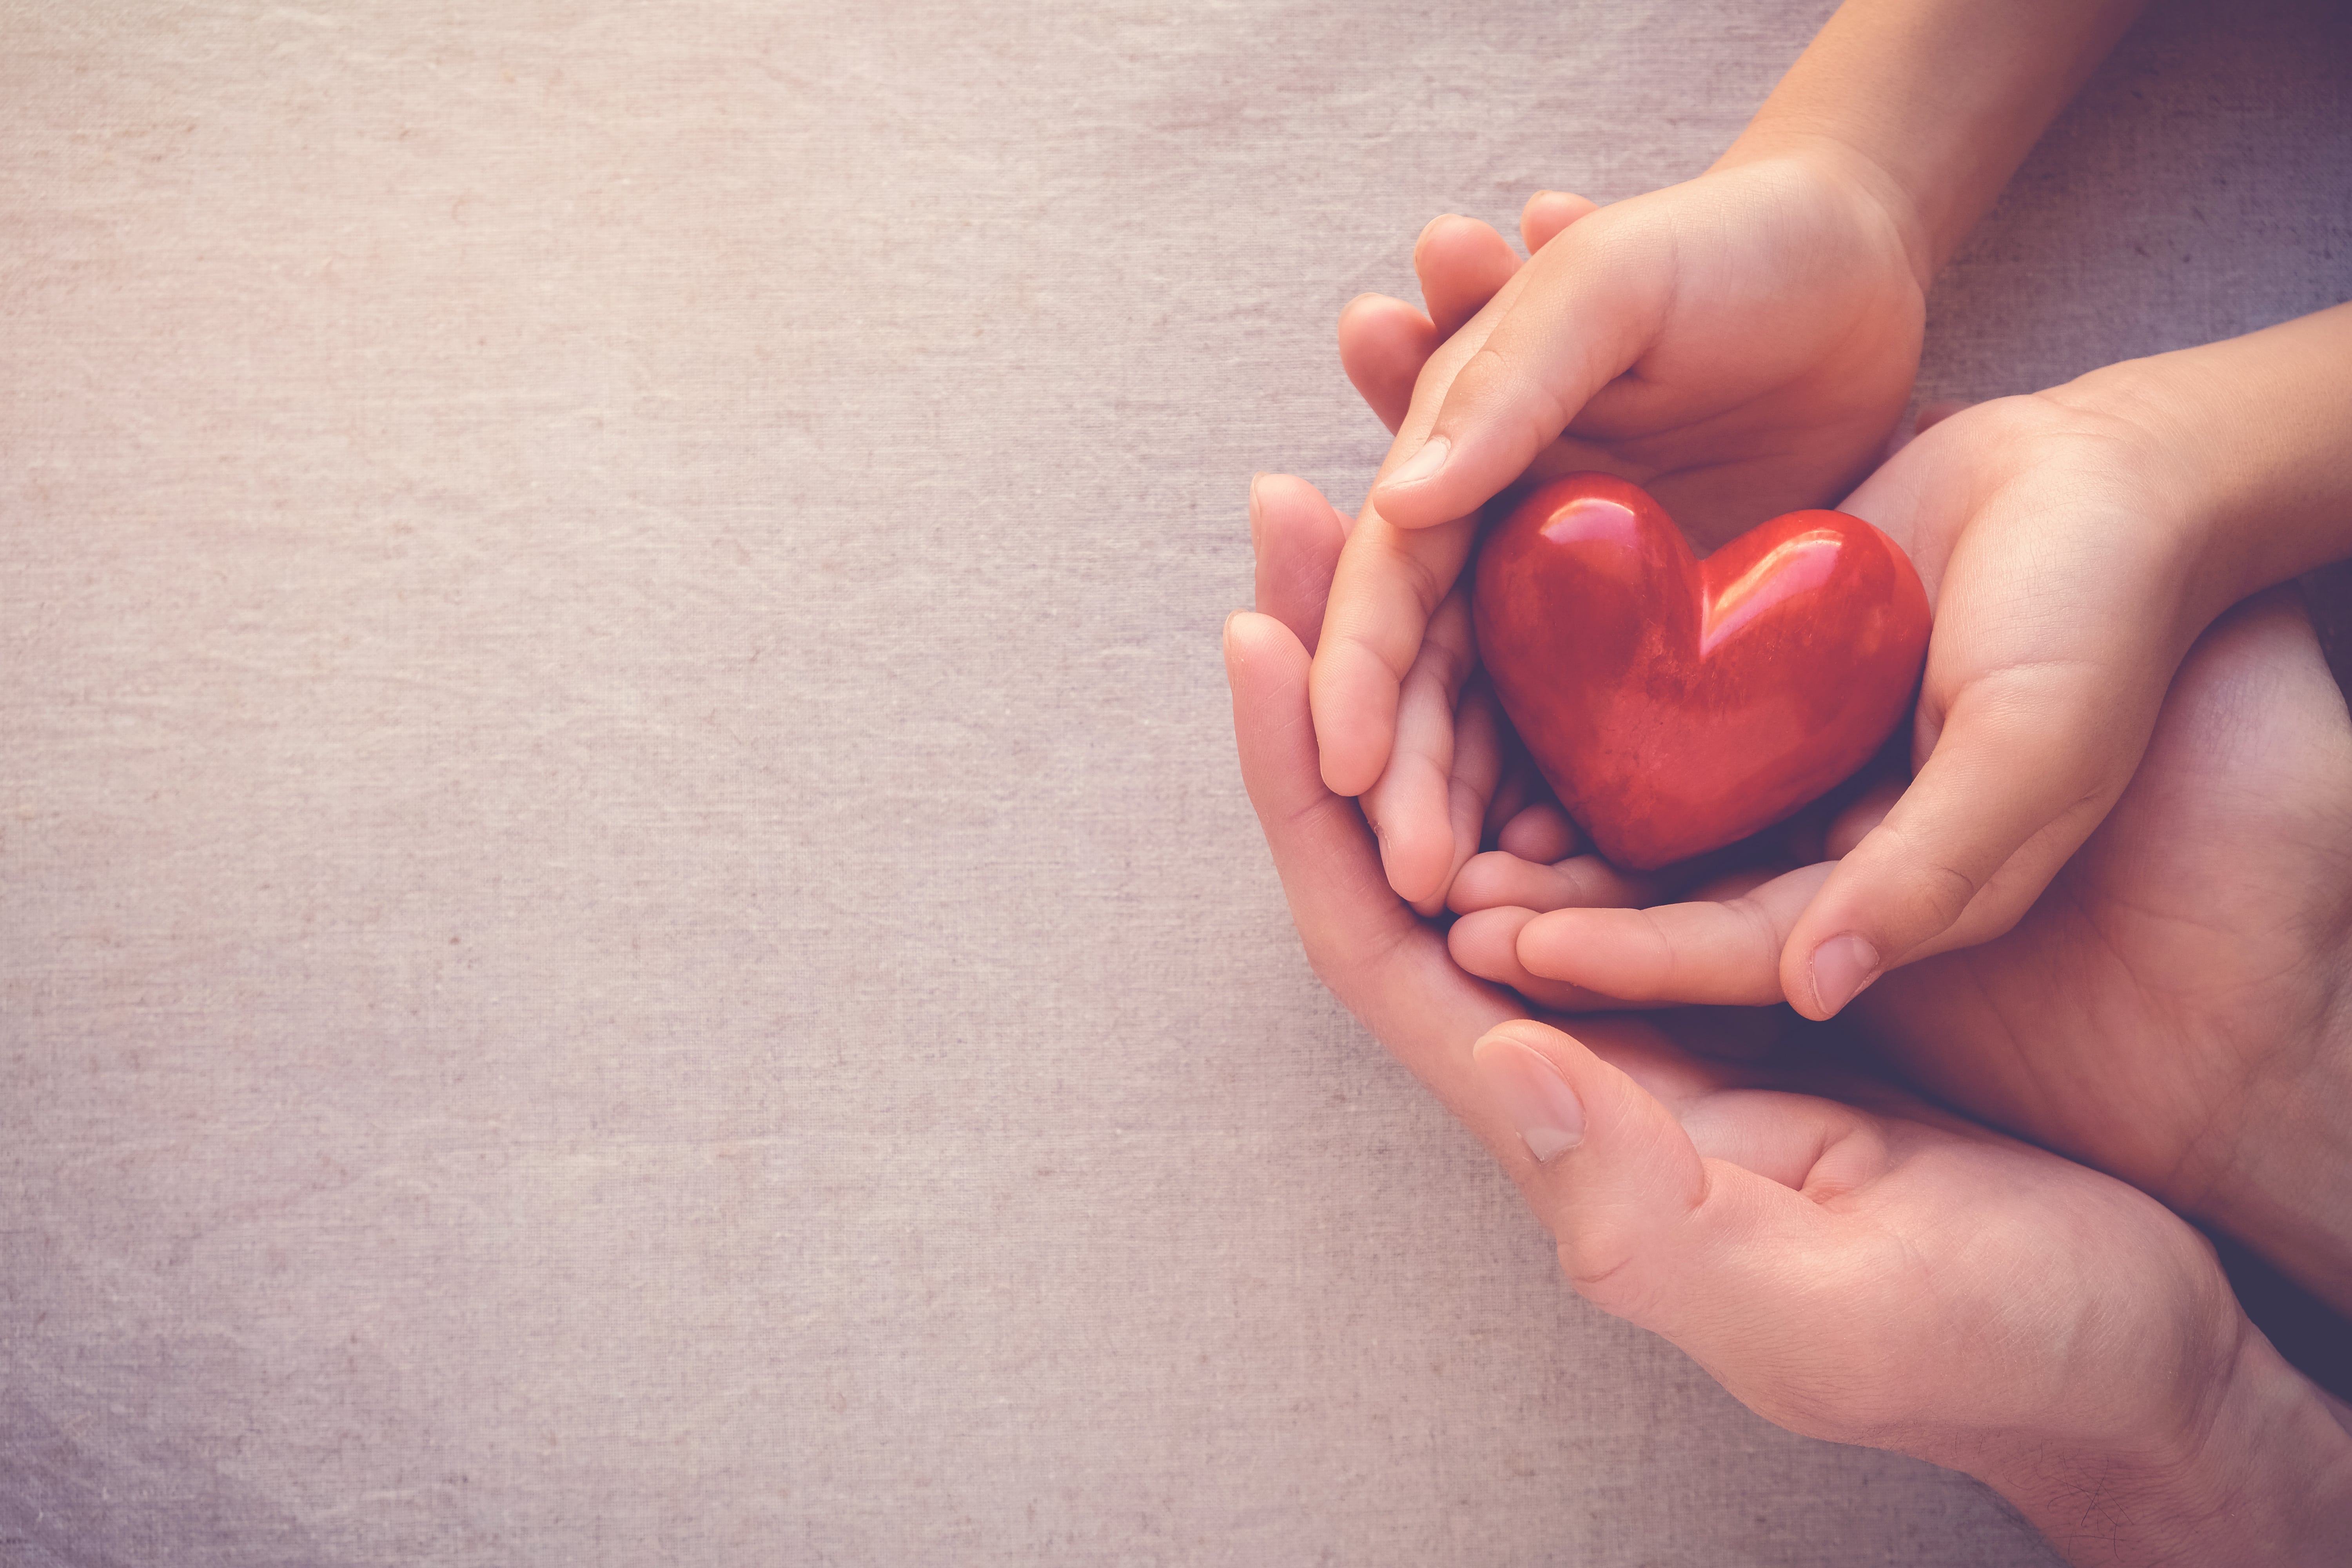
628 930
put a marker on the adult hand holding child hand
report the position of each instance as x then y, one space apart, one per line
1849 1262
2074 543
2170 1006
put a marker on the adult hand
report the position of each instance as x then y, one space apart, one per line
2172 1009
1860 1268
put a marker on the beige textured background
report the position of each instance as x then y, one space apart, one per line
627 934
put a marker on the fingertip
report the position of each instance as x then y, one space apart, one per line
1461 264
1297 538
1371 308
1384 343
1541 832
1546 213
1423 466
1486 942
1837 971
1402 496
1416 860
1614 1174
1524 1082
1355 714
1249 636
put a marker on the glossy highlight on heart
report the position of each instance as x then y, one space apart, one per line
1676 705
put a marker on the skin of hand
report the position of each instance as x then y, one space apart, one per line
2180 984
1742 345
2172 1010
2074 543
2061 548
1858 1266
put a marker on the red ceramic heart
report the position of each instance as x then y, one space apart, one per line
1676 705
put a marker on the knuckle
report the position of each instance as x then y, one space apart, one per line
1421 585
1380 652
1494 382
1936 894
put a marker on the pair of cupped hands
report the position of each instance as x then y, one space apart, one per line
2129 839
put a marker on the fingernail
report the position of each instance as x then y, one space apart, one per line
1841 967
1253 505
1537 1100
1423 464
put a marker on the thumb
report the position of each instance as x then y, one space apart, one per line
1548 212
2027 764
1580 313
1608 1169
1761 1283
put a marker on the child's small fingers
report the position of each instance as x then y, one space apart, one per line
1548 212
1384 343
2022 772
1722 953
1573 318
1392 970
1387 585
1412 805
1478 755
1583 881
1461 263
1542 833
1486 944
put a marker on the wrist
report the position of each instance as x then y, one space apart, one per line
1943 96
2249 434
2144 415
2259 1472
1874 192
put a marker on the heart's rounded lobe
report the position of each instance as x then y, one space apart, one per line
1676 705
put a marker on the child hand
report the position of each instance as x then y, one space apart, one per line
2059 546
2074 543
1742 345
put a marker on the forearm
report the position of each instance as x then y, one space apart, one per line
2266 1479
1940 99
